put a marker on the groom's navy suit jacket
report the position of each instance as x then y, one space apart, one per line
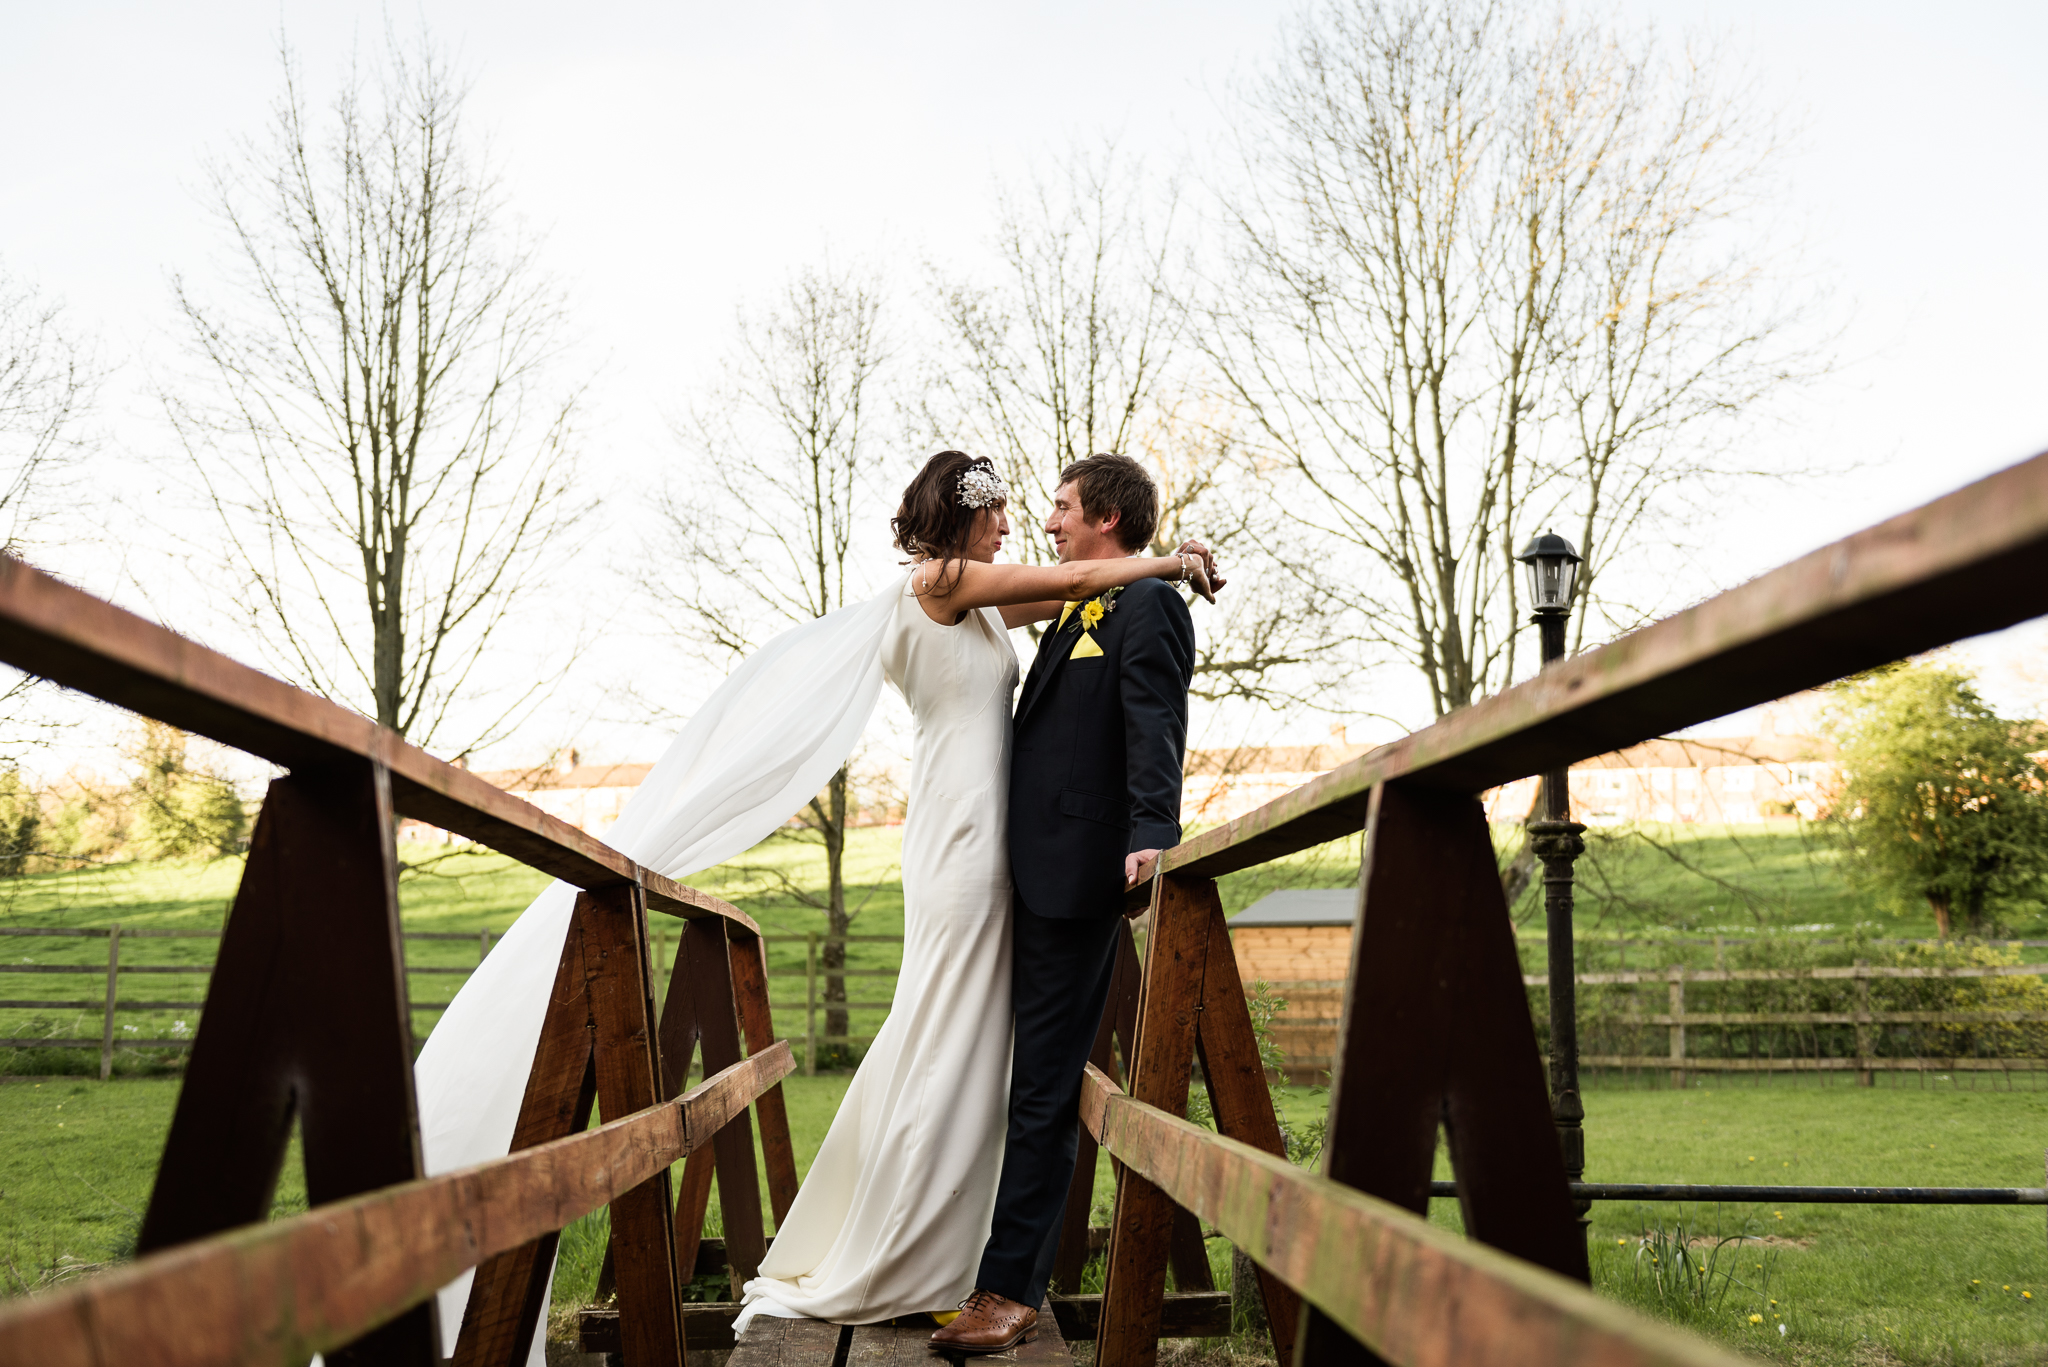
1096 768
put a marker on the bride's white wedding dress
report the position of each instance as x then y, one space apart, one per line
761 746
893 1214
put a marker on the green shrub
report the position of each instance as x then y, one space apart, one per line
1941 797
181 811
21 817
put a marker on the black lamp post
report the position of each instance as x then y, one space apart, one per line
1553 573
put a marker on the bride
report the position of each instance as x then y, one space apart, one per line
897 1204
894 1212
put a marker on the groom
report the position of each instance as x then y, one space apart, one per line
1095 776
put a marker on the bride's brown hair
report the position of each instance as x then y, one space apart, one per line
932 521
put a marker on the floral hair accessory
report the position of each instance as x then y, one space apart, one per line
981 486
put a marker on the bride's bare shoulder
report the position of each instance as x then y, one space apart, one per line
933 583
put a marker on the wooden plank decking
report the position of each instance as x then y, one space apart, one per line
899 1345
771 1342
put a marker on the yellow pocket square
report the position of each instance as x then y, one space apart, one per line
1085 648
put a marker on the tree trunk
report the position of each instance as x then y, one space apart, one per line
1971 913
1941 918
836 921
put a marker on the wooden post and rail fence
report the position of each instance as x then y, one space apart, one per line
113 1002
1307 1038
110 972
305 1015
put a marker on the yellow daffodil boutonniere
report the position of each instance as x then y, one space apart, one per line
1090 617
1093 611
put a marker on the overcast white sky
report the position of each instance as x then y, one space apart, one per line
683 157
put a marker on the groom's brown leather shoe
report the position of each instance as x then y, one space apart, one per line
988 1323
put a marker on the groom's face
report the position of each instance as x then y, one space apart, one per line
1075 535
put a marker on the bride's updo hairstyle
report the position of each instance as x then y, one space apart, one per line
936 518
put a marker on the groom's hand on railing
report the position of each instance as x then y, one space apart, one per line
1135 860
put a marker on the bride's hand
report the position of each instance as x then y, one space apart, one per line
1207 581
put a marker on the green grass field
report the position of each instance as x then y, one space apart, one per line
1852 1285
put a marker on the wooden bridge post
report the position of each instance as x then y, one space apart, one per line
1119 1026
708 983
1191 1000
598 1044
619 981
305 1017
707 958
1436 1033
723 977
749 955
506 1296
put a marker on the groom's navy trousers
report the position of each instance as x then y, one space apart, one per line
1059 978
1094 775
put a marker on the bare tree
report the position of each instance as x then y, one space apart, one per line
1275 640
376 428
1066 353
1073 347
47 381
1484 274
779 491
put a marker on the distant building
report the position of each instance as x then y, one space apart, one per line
1780 771
1704 778
1298 942
587 796
1220 785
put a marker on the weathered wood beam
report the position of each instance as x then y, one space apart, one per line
1971 562
68 636
277 1293
1177 950
1413 1293
1184 1315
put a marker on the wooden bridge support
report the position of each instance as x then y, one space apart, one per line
717 994
1436 1033
305 1018
1191 1002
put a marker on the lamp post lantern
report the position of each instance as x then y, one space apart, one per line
1553 565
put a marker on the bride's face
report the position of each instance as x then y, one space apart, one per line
991 525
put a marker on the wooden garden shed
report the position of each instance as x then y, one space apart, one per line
1298 942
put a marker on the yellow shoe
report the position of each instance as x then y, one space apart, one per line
942 1318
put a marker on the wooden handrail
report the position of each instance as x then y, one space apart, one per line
1971 562
279 1292
1411 1292
72 638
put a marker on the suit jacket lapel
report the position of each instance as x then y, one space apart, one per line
1051 655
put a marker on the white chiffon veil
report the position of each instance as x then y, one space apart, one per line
765 742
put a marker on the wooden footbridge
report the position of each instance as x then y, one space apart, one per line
306 1018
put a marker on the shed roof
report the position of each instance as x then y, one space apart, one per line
1301 907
